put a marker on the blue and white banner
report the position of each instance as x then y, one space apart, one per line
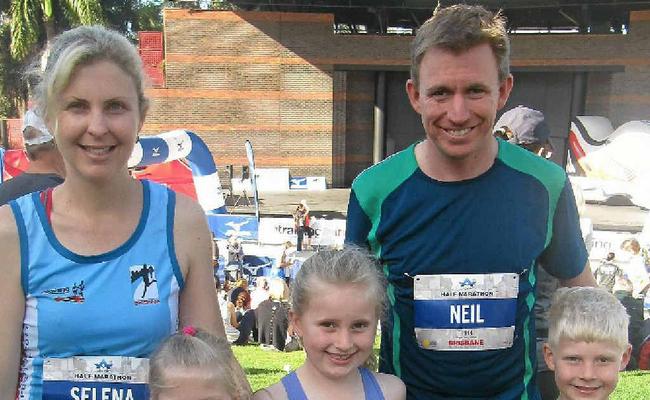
178 144
96 378
253 174
224 226
465 311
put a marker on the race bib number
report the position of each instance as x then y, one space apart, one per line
465 311
95 378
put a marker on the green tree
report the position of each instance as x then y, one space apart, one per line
11 86
38 21
131 16
35 22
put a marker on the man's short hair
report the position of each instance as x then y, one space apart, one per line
459 28
587 314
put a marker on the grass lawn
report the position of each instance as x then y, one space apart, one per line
266 367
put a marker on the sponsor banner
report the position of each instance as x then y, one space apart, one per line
308 183
298 183
606 241
465 311
327 232
95 378
272 179
223 226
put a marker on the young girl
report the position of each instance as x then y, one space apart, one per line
337 299
194 364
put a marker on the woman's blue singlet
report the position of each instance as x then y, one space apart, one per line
371 387
120 303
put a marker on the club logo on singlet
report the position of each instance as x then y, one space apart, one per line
67 294
144 284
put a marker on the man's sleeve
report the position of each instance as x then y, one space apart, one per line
358 224
566 255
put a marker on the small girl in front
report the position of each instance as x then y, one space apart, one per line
336 301
193 365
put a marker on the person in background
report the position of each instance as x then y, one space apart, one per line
215 254
242 317
644 347
260 292
285 262
469 214
194 364
46 168
273 315
527 128
587 342
301 224
623 290
633 265
607 272
102 264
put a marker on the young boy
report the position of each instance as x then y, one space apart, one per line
587 342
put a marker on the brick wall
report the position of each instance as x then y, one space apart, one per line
301 95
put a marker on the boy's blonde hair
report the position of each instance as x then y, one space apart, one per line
587 314
196 349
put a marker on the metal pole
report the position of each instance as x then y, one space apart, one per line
578 97
379 121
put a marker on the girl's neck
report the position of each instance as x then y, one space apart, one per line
314 381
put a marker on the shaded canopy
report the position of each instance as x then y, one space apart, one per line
587 16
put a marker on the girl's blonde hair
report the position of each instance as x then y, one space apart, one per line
196 349
349 266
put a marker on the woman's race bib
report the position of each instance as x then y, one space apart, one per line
465 311
95 378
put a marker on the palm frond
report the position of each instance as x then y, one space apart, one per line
87 11
25 27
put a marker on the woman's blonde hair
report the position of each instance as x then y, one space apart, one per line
79 47
196 349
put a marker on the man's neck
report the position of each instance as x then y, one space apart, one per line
445 169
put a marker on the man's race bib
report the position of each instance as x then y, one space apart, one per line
95 378
465 311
